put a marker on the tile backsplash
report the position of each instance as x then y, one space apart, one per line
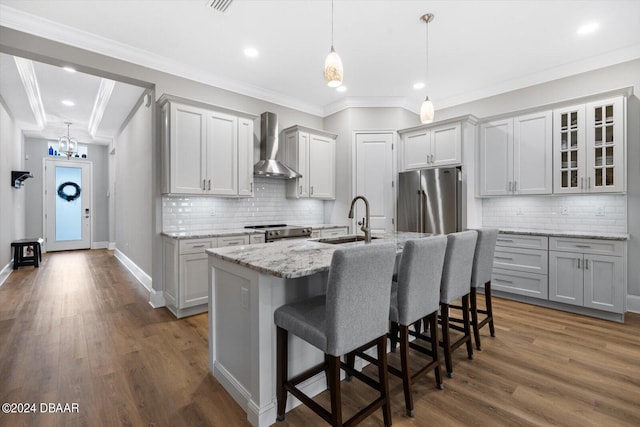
600 213
268 206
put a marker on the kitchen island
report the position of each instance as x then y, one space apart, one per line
246 285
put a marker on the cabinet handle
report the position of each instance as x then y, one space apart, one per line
515 186
232 243
583 246
502 280
505 240
312 190
589 183
301 189
586 264
581 182
209 185
503 257
509 187
204 186
431 156
578 263
198 246
251 187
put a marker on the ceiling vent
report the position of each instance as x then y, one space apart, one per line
219 5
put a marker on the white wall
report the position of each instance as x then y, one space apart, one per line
12 200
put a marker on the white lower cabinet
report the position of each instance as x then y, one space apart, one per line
185 264
520 265
334 232
587 273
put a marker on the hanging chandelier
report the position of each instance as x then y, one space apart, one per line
426 110
333 70
67 144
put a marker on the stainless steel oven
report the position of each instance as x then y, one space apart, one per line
276 232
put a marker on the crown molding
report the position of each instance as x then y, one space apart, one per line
371 102
100 104
30 82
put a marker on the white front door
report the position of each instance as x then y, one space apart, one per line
374 179
67 204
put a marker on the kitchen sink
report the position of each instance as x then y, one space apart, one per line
352 238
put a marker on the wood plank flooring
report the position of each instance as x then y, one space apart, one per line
79 329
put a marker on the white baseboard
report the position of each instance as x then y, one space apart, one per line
633 303
99 245
142 277
156 299
5 272
112 246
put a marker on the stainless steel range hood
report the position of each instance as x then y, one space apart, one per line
269 166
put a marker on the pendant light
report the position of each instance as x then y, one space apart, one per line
333 70
426 110
68 144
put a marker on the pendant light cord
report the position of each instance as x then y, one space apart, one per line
426 62
331 24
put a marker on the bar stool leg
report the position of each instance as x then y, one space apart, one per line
467 325
282 350
406 375
487 298
383 376
433 321
393 336
16 257
446 339
474 318
333 371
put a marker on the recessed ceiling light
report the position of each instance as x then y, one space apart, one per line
251 52
68 103
69 69
418 85
341 89
588 28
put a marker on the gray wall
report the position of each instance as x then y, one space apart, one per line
344 123
12 200
35 151
577 86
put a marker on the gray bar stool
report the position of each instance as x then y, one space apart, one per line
456 284
353 312
481 276
415 296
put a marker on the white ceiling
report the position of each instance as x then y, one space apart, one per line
476 48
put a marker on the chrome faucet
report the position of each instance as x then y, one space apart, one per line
365 221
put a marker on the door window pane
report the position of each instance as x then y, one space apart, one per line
68 203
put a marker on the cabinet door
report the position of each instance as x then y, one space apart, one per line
604 283
416 148
569 150
496 158
532 153
297 157
194 286
188 149
322 167
222 154
566 277
446 145
245 157
605 146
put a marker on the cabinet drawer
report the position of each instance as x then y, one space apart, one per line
521 283
529 260
587 246
256 238
233 241
195 246
333 232
522 241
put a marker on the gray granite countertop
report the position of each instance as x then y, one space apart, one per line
205 234
291 259
556 233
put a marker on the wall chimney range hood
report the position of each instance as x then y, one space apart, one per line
269 166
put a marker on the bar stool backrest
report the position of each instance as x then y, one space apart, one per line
458 262
419 276
357 300
483 258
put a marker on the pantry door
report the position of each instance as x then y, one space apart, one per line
67 204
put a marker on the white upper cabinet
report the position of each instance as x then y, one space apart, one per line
312 153
516 155
589 147
205 152
431 145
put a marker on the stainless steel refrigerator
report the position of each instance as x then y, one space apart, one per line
430 201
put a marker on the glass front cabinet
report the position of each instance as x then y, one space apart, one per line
589 147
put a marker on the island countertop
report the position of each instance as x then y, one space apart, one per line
292 259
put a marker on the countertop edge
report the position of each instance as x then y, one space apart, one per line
574 234
265 270
206 234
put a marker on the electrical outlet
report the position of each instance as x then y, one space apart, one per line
600 211
244 297
519 211
212 212
564 210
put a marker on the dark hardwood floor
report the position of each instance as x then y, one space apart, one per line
79 329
